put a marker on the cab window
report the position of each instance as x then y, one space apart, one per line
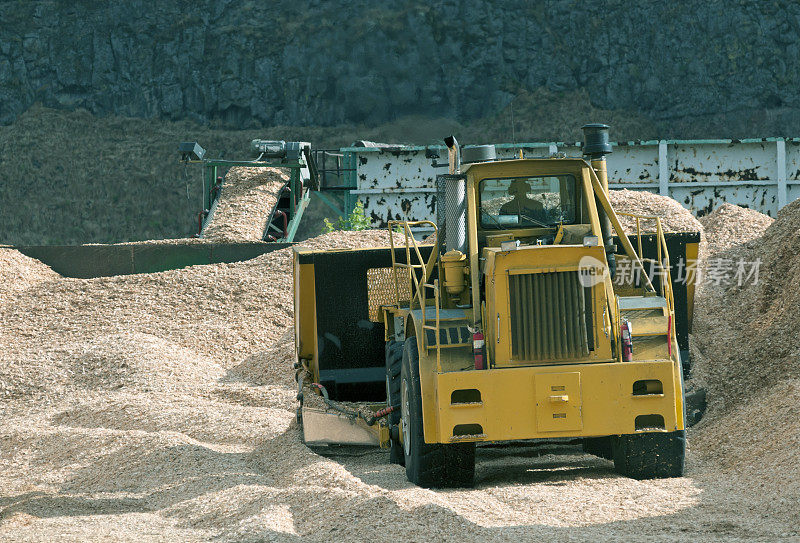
523 202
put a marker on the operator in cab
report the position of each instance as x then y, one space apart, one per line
521 204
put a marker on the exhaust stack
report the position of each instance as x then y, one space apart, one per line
453 200
453 154
596 146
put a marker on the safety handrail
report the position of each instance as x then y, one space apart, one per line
417 285
414 283
435 327
661 260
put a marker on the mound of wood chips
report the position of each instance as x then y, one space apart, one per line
108 332
755 445
160 407
245 204
747 334
674 217
18 272
730 225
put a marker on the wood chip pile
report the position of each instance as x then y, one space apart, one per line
746 351
109 331
674 217
160 407
18 271
729 226
245 205
747 335
755 445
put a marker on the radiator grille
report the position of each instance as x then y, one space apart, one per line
550 317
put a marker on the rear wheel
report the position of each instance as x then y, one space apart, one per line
650 456
430 465
394 363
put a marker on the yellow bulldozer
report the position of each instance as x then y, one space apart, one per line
531 316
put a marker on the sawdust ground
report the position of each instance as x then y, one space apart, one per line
196 468
161 407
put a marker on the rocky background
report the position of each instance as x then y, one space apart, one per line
95 95
249 63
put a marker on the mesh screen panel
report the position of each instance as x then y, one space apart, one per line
383 290
441 206
451 208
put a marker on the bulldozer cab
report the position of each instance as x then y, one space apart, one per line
529 201
534 234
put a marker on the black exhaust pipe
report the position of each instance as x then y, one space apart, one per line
596 146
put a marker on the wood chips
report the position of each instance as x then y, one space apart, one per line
747 334
160 407
18 272
746 349
674 217
730 226
245 205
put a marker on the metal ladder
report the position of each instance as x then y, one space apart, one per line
418 286
662 267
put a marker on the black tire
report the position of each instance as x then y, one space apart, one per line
654 455
394 363
598 446
429 465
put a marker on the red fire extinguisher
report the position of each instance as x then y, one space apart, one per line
477 349
627 341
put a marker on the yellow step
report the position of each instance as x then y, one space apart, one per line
649 326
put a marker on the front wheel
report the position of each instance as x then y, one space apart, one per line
429 465
394 362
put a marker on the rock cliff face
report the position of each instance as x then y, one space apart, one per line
248 63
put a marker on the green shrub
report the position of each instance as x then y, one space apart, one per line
357 220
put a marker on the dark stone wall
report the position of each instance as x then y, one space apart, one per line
249 63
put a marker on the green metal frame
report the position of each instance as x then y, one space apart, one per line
351 177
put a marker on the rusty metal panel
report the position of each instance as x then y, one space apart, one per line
395 185
393 169
703 200
633 164
793 160
720 162
413 206
719 173
399 183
